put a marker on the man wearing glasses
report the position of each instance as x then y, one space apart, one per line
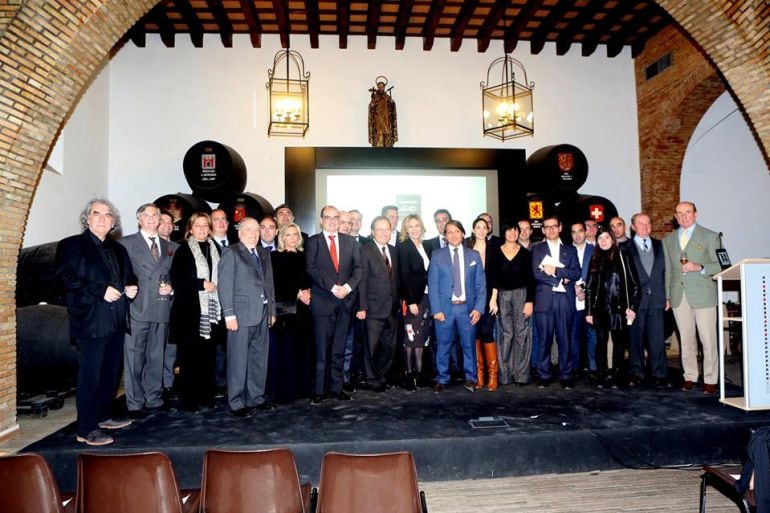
556 269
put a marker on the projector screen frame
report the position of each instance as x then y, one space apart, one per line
301 164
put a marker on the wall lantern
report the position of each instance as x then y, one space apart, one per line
288 95
507 105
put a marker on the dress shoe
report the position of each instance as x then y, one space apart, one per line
342 396
242 413
379 388
95 438
687 385
114 424
349 388
136 414
709 389
662 384
542 383
266 406
470 386
635 381
567 384
316 400
438 387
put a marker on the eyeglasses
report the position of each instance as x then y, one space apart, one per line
550 226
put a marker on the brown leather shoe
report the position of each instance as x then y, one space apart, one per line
687 385
438 387
709 389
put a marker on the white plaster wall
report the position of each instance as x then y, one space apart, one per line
81 155
725 175
163 100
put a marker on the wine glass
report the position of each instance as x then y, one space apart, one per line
162 282
683 258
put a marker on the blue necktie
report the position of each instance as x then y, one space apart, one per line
256 260
457 283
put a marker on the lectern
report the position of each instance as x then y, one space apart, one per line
754 277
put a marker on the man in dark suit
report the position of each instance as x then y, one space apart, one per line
96 275
457 289
247 297
556 270
390 212
222 239
334 267
649 261
379 303
144 346
583 334
440 217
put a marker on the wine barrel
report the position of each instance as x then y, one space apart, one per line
45 358
36 276
245 204
181 207
214 171
584 207
559 170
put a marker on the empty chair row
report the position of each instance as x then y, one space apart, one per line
232 482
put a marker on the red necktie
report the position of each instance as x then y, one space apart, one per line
387 260
333 252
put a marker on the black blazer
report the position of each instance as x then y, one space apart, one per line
83 274
652 287
412 275
323 276
378 291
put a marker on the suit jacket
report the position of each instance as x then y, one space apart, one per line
700 288
588 252
244 290
431 245
440 281
378 291
323 276
413 277
185 308
544 284
146 307
83 274
652 287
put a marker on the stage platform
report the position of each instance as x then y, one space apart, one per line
526 431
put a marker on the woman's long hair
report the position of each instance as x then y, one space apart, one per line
472 242
600 255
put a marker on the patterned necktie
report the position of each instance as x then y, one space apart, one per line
387 260
457 283
333 253
154 249
646 247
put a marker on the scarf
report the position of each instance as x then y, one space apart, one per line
209 301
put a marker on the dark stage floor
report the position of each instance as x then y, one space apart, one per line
548 430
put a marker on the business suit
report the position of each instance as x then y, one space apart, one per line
555 311
331 314
457 316
144 346
693 297
246 292
85 267
378 298
583 334
648 327
433 244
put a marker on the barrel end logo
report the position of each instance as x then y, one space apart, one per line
596 212
209 161
535 209
566 161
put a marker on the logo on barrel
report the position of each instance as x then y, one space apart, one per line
535 209
208 161
566 161
596 212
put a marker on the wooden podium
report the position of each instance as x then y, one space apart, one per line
754 276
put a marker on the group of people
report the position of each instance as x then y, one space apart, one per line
278 315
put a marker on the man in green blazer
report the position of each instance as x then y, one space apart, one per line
690 264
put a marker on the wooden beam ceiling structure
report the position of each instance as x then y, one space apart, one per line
613 24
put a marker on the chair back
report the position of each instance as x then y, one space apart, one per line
251 481
374 483
27 485
127 483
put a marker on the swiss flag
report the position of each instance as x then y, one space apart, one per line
596 212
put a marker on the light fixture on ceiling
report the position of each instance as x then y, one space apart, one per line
288 95
506 106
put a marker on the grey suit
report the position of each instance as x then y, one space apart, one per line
145 344
246 291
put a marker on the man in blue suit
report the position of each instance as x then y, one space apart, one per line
583 334
556 270
457 290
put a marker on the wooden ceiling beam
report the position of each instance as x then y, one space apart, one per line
602 27
343 21
313 22
556 13
513 32
282 17
252 19
137 35
431 24
223 22
461 23
402 21
191 20
490 23
567 34
166 30
372 23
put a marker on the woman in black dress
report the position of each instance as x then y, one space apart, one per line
413 258
293 329
195 324
486 347
612 298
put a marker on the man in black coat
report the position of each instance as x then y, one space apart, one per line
98 280
379 303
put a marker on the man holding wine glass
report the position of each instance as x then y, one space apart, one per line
143 351
690 264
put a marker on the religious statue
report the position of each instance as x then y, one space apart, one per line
383 128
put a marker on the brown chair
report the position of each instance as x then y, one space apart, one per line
721 479
252 481
27 485
374 483
127 483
